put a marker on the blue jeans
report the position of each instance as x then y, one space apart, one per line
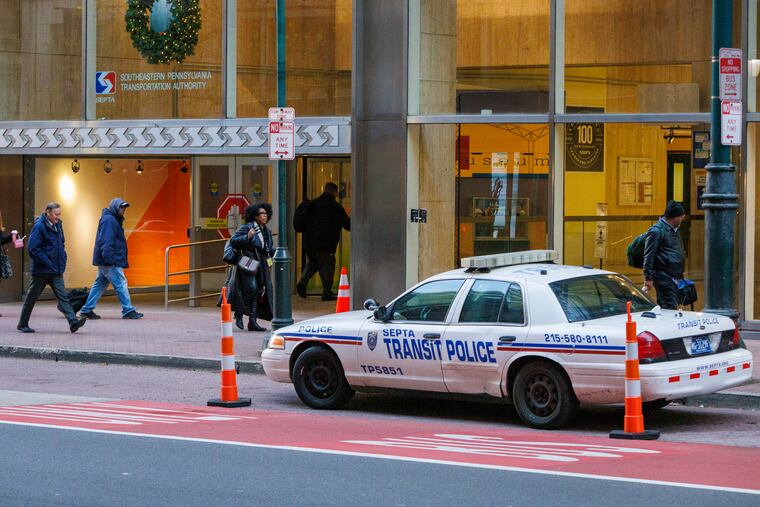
115 276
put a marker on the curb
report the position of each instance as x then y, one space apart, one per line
86 356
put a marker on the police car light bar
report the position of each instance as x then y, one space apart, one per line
509 259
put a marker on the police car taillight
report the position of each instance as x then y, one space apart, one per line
650 349
736 341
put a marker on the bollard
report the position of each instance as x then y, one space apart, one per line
283 314
633 423
344 293
229 395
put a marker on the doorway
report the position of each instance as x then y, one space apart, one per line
222 188
679 188
313 173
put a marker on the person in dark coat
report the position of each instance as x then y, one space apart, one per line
664 256
47 252
251 294
110 256
4 240
321 235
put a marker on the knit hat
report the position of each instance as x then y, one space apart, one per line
674 209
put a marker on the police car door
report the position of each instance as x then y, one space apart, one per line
474 346
405 351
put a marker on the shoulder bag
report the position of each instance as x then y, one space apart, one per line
6 271
248 264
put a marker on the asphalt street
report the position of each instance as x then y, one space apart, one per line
42 466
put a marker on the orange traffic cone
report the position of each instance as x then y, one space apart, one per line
633 423
229 397
344 296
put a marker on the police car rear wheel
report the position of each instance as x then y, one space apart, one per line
543 397
319 379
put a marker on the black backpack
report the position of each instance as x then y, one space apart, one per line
300 216
635 251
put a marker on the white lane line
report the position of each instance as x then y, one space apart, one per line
56 413
400 458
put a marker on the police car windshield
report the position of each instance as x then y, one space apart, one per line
598 296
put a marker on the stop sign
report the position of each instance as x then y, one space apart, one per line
232 208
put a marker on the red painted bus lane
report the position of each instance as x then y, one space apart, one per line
692 465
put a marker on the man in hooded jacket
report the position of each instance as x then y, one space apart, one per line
110 256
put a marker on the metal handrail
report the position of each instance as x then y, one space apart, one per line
167 274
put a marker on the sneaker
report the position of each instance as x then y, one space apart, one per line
89 315
134 314
25 329
74 326
301 290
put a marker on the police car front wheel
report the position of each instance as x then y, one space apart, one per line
319 379
543 396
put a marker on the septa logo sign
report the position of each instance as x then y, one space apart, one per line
105 82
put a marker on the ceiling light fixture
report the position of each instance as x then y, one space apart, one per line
107 167
75 166
139 167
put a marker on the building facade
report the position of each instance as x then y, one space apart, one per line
453 127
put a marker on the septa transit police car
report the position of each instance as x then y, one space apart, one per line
516 326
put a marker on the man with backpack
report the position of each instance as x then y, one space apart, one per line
664 256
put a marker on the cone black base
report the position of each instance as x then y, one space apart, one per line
644 435
240 402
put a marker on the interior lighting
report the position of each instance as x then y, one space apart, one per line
510 259
66 190
108 167
75 166
139 167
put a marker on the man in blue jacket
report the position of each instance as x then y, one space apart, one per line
110 256
48 255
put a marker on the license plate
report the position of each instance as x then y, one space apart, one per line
700 345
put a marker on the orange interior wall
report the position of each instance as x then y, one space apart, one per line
164 223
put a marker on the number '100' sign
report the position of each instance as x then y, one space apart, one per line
584 147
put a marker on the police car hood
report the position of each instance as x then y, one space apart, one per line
344 321
668 323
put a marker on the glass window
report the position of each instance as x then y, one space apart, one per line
256 58
512 310
41 60
597 296
639 56
484 301
483 55
165 62
158 213
502 188
429 302
611 201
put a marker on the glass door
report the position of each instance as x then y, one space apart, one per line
314 173
222 188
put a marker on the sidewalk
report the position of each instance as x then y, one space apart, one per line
182 337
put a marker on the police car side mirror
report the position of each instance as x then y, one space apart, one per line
371 305
380 313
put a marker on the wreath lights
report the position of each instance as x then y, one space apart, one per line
173 45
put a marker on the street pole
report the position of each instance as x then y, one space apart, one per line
720 198
283 315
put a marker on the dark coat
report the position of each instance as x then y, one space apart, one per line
326 217
5 239
242 287
46 247
110 242
663 251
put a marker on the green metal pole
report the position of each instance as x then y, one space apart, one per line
283 315
720 197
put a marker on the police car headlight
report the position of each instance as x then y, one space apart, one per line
276 342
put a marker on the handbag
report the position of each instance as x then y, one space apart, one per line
231 255
687 292
6 270
248 264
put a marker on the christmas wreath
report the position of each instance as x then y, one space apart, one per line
179 38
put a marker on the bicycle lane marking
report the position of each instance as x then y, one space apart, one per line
665 463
